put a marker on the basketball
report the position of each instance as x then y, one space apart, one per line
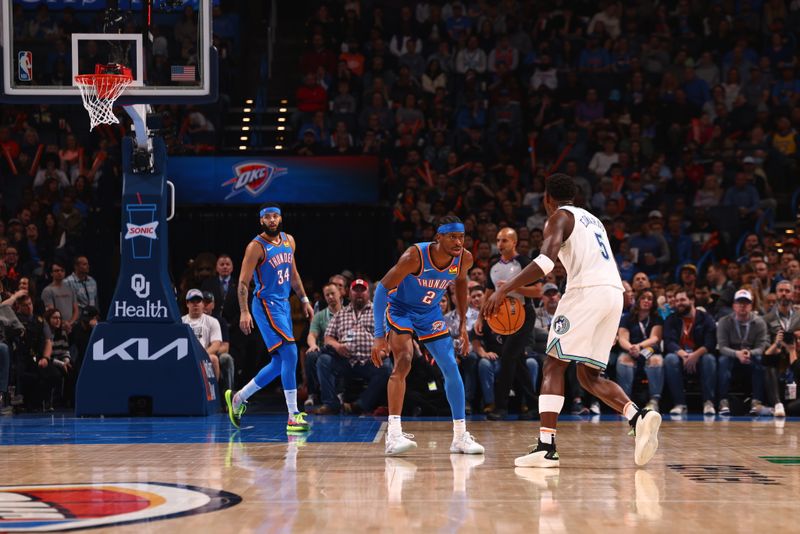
509 318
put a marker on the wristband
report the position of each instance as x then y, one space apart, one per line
545 263
304 300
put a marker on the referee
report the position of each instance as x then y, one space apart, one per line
512 360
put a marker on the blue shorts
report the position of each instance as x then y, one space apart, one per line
428 326
274 320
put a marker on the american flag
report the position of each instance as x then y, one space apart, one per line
182 73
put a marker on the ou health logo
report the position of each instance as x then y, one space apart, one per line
59 507
254 177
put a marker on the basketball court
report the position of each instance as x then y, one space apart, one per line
199 475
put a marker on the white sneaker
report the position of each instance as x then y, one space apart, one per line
544 455
652 404
724 407
678 409
708 408
595 408
646 437
309 401
780 411
399 443
466 445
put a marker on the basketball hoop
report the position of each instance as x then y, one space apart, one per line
100 90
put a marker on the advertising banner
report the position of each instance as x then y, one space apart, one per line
291 180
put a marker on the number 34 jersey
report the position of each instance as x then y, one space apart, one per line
586 254
273 275
421 292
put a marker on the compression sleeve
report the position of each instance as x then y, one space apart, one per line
379 305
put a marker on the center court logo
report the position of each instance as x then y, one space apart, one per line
253 177
59 507
560 325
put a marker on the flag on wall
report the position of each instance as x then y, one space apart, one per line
183 73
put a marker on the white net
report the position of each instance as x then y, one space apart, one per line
99 92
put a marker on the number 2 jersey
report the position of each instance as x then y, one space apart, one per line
420 293
273 275
586 254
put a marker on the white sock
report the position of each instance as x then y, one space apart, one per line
246 392
459 427
291 400
630 410
547 435
394 425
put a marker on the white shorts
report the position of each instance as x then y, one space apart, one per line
585 325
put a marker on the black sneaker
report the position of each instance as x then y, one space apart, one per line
497 415
544 455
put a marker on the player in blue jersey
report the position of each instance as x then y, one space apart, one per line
407 303
270 259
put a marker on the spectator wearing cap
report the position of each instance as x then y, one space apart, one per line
742 338
349 336
545 314
688 276
640 333
316 337
690 339
209 334
82 285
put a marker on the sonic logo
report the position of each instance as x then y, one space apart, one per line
145 230
254 177
78 506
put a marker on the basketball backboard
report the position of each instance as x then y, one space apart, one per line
166 44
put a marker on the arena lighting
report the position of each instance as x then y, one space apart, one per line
245 128
247 110
242 147
281 128
248 101
281 119
778 244
245 119
243 138
789 231
282 110
284 101
780 251
278 147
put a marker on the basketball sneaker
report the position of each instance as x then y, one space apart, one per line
708 408
399 443
724 407
780 411
645 426
466 445
297 423
235 413
678 409
544 455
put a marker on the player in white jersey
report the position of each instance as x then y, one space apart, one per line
585 324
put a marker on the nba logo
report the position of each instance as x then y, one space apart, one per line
25 60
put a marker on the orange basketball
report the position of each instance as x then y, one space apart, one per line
509 318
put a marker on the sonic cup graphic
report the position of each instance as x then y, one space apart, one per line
141 229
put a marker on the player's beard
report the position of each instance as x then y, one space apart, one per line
272 233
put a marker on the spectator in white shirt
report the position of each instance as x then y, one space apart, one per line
209 334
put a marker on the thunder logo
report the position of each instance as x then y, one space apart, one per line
253 177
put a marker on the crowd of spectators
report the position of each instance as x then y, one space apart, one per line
678 121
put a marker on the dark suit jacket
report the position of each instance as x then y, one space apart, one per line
226 306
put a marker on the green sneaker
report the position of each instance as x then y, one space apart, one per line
297 423
234 416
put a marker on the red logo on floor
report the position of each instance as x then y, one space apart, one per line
74 506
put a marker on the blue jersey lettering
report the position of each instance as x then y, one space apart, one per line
273 274
422 292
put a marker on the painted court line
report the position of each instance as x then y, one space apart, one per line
380 433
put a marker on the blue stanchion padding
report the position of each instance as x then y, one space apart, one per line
164 362
144 350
